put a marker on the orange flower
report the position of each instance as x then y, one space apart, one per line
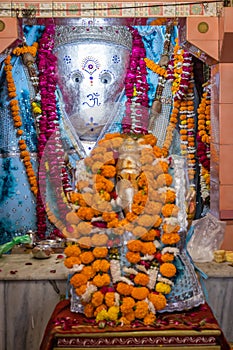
81 290
99 239
168 196
72 218
85 213
150 235
167 257
89 310
170 210
131 216
101 265
77 198
97 298
109 216
100 252
139 231
127 305
141 279
84 242
108 171
130 316
141 309
88 271
149 319
139 293
101 280
84 228
168 270
148 248
110 299
72 250
133 258
158 300
86 257
170 238
164 180
99 309
123 320
78 280
134 245
71 261
137 209
124 288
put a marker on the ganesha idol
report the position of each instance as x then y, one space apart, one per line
92 63
110 160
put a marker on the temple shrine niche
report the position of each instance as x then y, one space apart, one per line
111 136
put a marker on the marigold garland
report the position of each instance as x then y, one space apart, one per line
153 217
203 141
15 111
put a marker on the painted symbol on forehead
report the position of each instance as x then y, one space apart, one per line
90 65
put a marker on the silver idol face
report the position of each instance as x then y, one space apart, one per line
91 78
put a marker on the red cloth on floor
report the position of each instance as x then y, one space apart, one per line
63 322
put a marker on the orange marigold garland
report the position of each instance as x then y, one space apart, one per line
203 140
110 292
15 111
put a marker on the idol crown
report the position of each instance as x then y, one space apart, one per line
119 35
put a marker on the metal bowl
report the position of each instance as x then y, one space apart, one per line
42 251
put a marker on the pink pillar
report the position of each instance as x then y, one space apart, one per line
212 38
8 32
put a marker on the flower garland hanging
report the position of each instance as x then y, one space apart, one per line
203 141
50 151
161 70
187 130
15 111
179 74
108 293
136 89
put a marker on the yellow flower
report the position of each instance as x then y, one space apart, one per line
102 315
162 288
113 313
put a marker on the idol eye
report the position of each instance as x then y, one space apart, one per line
106 78
77 77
